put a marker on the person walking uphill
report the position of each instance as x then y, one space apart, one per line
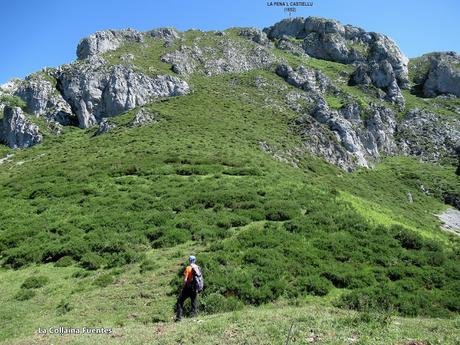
193 284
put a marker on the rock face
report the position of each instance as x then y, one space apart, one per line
304 78
255 35
353 136
229 56
43 99
95 91
17 131
357 137
382 62
382 76
166 34
104 41
442 75
426 135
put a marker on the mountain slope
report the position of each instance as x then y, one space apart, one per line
229 168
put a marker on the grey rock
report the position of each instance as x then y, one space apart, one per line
380 74
451 220
166 34
185 60
255 35
142 118
443 75
304 78
291 47
410 199
318 140
95 92
294 27
229 56
428 136
104 127
44 100
17 131
106 40
364 141
329 40
355 139
127 57
330 46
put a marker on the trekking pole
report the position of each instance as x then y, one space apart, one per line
289 334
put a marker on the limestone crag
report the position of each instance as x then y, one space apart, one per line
442 75
428 136
382 76
43 99
318 140
17 131
106 40
304 78
362 141
329 40
95 91
255 35
227 57
166 34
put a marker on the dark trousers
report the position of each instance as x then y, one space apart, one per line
186 292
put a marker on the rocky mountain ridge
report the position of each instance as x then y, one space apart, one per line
354 133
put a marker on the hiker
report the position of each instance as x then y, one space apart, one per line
193 284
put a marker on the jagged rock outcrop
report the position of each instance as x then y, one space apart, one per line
428 136
43 99
255 35
95 90
17 131
384 65
317 139
304 78
366 140
142 118
106 40
166 34
104 127
382 76
291 47
439 74
229 56
360 139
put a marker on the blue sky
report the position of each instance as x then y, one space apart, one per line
35 34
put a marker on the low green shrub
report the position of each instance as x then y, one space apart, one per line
65 261
148 265
24 294
104 280
63 307
216 303
35 282
92 261
315 285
